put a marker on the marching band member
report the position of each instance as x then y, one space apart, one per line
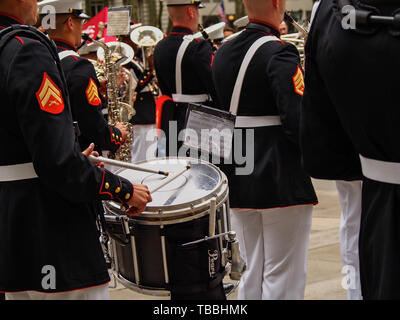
342 125
49 245
184 75
349 193
271 207
145 105
192 83
83 85
283 28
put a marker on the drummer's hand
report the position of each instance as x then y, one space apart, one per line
90 152
139 200
124 131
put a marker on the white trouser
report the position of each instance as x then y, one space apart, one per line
350 202
95 293
274 244
144 146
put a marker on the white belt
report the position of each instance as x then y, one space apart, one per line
258 121
189 98
17 172
382 171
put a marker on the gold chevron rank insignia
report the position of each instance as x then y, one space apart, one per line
92 93
49 96
298 81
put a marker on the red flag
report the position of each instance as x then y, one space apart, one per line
91 27
221 12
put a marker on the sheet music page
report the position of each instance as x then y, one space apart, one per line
210 133
118 22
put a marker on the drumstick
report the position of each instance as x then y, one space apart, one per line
125 165
171 178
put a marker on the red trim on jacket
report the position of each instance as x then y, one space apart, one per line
101 187
179 33
66 42
182 27
10 16
212 59
112 139
159 107
265 23
22 41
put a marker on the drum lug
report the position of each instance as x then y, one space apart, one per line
238 265
213 217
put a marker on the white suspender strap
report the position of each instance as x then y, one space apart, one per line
190 98
179 58
63 54
243 68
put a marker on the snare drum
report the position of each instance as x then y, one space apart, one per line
147 249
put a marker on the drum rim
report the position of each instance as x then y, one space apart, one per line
152 291
179 210
174 219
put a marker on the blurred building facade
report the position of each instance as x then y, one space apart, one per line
154 12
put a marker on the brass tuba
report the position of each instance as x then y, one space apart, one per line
146 38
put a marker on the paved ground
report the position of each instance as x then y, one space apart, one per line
324 265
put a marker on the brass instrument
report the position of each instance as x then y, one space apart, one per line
304 31
297 39
146 38
114 56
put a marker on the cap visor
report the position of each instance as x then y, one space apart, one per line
84 16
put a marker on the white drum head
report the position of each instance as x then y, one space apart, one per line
197 183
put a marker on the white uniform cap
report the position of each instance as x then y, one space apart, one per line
73 7
184 3
134 26
88 48
242 22
232 36
215 31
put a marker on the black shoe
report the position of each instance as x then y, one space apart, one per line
228 287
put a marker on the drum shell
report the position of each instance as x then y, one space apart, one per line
144 263
187 266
